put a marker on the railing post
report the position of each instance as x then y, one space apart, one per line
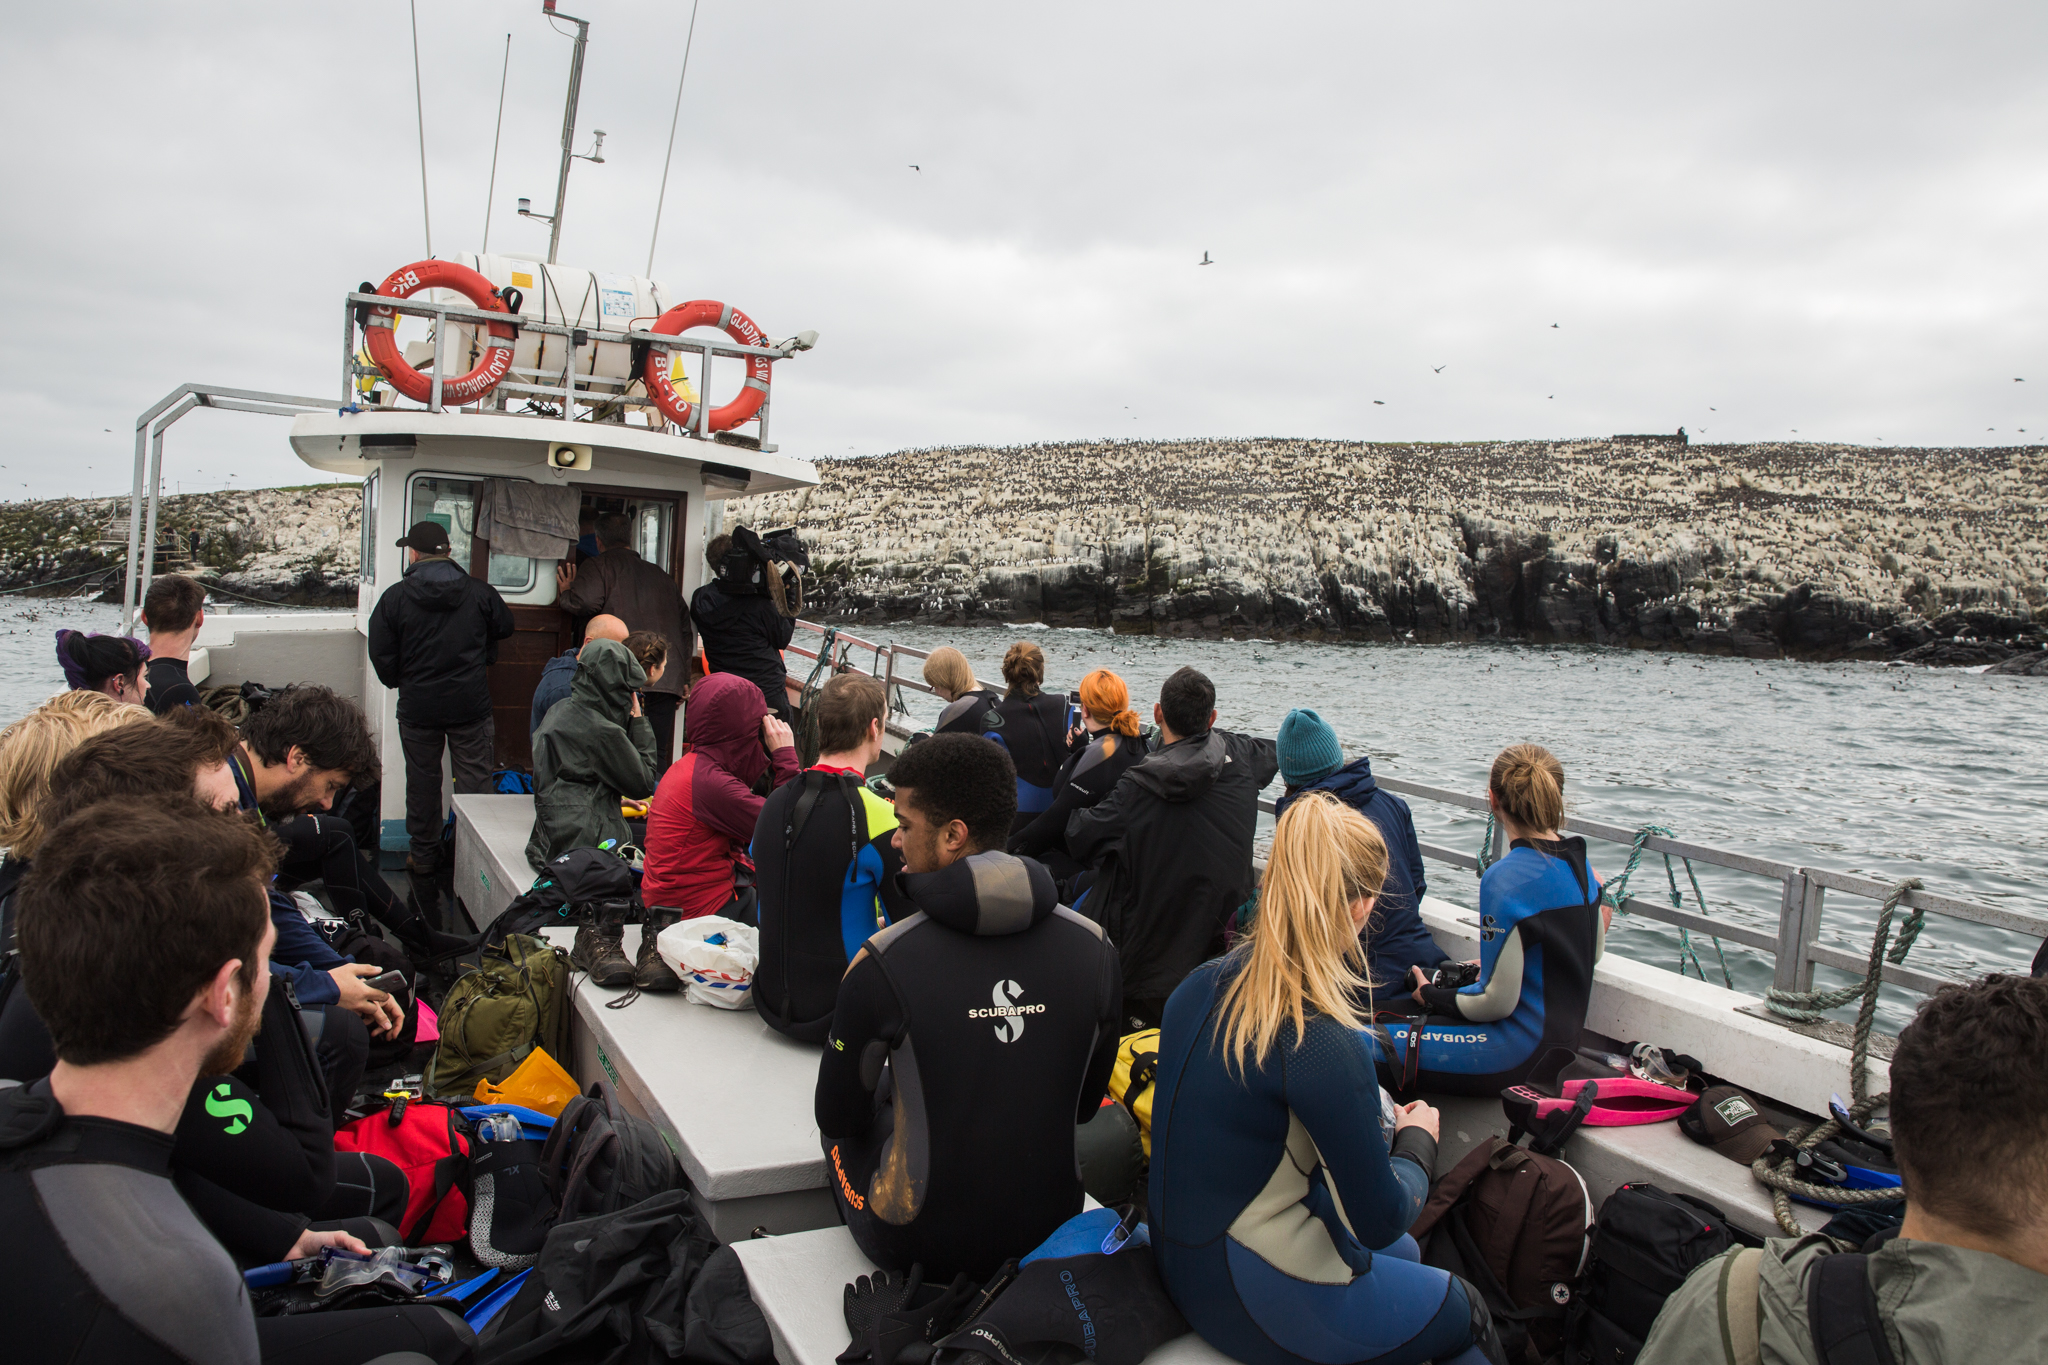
1799 915
1500 841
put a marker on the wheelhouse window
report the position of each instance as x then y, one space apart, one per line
452 503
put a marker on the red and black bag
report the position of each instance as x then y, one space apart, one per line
430 1143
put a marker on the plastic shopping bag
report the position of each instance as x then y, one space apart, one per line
538 1083
715 957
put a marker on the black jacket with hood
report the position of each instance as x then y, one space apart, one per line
743 633
431 637
1172 846
968 1041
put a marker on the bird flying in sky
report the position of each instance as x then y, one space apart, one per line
1438 369
918 169
1205 260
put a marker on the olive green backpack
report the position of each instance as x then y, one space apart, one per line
515 1001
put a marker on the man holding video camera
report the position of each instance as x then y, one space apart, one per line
746 615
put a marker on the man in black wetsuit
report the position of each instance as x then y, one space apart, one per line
163 910
174 609
949 1129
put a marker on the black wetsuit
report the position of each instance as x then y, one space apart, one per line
967 714
104 1264
969 1040
170 687
1091 770
253 1152
1034 730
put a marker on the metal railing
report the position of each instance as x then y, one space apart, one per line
566 386
1794 948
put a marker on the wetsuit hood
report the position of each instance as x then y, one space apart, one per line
607 675
988 894
725 725
1184 769
437 585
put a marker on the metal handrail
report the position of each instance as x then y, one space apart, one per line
1794 947
443 313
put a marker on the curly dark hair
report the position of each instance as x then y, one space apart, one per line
1969 1104
320 723
961 777
139 902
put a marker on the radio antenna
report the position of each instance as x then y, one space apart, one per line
420 113
662 198
496 137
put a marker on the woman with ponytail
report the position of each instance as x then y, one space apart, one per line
1105 743
103 663
1279 1200
1542 928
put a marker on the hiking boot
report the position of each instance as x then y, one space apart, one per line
422 867
650 973
600 950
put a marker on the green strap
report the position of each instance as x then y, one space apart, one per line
1741 1317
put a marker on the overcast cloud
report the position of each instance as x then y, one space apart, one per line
1743 218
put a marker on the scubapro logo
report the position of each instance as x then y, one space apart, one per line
236 1112
1008 1014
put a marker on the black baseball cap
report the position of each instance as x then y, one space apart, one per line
1730 1122
428 537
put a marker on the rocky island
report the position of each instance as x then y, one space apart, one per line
1804 550
1807 550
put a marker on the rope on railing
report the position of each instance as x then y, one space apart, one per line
1616 892
1485 847
1773 1167
807 699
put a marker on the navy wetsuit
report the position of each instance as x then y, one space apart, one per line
1540 934
1278 1216
1094 764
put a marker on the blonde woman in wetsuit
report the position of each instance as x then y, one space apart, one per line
1279 1213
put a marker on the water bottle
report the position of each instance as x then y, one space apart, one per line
498 1127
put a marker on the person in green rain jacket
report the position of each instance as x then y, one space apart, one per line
592 751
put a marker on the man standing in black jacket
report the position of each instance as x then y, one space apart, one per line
1172 844
743 620
433 634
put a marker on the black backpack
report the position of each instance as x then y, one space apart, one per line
582 886
600 1159
610 1288
1645 1244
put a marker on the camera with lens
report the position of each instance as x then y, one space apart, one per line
1455 976
755 555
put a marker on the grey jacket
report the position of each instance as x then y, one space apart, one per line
1941 1305
587 754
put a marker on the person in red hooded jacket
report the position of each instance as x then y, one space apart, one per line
704 813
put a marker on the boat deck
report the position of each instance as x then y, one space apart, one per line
735 1099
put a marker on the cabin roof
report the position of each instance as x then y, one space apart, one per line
331 442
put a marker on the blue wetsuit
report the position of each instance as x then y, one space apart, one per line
1540 932
1278 1216
1396 939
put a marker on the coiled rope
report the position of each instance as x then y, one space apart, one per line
807 708
1808 1007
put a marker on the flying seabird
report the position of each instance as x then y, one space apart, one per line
1205 260
1553 327
1378 403
918 169
1438 369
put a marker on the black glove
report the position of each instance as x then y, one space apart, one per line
867 1299
904 1335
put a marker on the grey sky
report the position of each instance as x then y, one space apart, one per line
1821 217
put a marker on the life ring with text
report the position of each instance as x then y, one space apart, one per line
735 324
381 333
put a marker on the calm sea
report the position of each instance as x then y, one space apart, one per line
1887 772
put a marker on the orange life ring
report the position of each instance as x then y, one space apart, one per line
735 324
383 339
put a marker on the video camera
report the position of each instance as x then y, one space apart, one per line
747 564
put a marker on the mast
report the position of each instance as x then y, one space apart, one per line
568 123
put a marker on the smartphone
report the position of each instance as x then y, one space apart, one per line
391 983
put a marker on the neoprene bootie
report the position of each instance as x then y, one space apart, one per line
650 973
600 950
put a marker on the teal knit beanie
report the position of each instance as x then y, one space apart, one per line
1308 748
